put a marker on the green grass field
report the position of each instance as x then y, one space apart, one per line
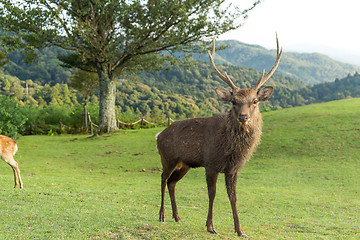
303 182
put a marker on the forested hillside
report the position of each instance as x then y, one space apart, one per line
310 68
348 87
180 92
198 83
46 70
44 95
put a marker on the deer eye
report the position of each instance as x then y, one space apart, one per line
255 101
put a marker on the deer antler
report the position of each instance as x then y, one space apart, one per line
263 79
225 77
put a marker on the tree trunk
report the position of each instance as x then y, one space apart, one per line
107 120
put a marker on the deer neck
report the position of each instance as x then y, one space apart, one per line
240 140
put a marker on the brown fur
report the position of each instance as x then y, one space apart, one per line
8 148
220 144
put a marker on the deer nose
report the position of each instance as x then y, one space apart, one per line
243 118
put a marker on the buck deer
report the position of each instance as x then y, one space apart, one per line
8 148
221 144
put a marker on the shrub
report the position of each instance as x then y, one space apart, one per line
11 119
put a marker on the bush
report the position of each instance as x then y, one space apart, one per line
11 119
55 119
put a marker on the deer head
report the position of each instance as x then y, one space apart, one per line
245 101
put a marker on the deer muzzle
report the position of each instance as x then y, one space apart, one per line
243 118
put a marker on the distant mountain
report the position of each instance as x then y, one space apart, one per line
310 68
338 54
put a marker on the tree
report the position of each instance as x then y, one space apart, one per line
3 59
115 36
16 91
6 85
86 83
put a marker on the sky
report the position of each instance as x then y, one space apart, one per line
331 27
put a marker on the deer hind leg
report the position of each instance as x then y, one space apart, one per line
173 179
15 166
167 171
230 181
211 178
19 176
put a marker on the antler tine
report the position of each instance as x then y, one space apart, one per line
263 79
225 77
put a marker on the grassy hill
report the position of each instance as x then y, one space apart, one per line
310 68
302 183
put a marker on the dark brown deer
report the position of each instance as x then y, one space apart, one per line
221 144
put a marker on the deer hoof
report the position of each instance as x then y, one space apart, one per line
212 231
244 236
162 220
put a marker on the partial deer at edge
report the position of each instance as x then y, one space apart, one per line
8 148
220 144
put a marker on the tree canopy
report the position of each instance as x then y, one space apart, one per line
3 60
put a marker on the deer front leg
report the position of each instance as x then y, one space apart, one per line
211 178
230 181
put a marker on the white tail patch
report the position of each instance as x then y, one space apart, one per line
156 135
15 150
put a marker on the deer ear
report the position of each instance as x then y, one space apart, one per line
223 94
265 93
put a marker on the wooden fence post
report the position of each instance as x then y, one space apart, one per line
91 125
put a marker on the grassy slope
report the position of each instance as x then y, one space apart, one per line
302 183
